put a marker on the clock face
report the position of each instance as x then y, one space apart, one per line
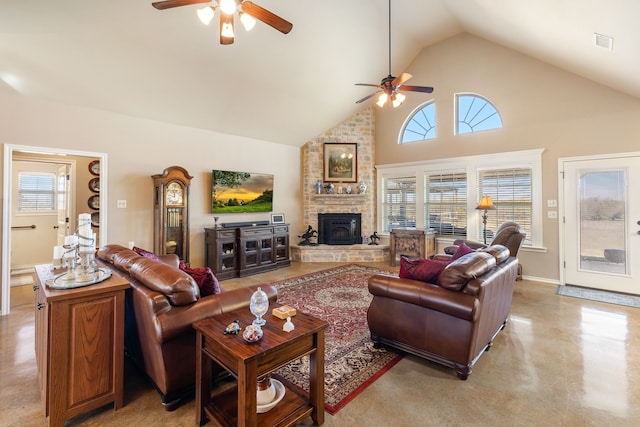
174 194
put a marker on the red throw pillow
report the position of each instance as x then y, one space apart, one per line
145 253
205 279
463 249
425 270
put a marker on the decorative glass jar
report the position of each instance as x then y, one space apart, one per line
259 305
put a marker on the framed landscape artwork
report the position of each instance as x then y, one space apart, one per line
340 162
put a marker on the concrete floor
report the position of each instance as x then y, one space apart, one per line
560 361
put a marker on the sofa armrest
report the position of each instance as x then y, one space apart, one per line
424 294
176 321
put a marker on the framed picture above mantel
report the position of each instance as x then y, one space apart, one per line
340 162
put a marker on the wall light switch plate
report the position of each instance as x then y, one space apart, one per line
552 214
121 204
552 203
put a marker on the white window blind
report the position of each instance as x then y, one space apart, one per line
36 192
446 203
399 202
511 191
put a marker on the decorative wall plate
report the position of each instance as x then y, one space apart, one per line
94 185
94 202
95 219
94 167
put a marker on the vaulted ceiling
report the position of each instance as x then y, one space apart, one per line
124 56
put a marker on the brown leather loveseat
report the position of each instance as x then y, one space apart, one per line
450 322
161 305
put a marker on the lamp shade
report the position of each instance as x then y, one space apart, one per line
485 203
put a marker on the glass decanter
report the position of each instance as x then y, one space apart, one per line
259 305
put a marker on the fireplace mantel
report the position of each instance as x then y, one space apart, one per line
339 199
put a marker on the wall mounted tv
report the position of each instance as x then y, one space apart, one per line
239 192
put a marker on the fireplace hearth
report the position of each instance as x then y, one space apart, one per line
339 228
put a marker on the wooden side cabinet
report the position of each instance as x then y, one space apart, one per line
221 252
411 242
242 251
79 343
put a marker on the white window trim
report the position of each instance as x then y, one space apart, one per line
472 164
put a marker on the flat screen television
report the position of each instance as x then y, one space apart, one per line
240 192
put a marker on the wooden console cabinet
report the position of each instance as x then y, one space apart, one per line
79 344
411 242
242 251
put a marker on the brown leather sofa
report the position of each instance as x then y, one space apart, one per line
160 307
451 322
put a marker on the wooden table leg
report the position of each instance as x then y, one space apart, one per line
316 379
203 381
247 394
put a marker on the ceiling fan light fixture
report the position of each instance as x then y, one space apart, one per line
247 20
382 99
228 6
206 14
227 30
397 99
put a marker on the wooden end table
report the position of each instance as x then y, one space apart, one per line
413 242
249 361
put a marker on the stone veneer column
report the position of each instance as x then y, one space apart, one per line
358 129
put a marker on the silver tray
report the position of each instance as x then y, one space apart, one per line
61 280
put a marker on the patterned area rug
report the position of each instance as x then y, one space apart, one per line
599 295
340 297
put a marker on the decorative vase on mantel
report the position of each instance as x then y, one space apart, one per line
362 187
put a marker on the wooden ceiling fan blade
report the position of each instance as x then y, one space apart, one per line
168 4
401 79
424 89
367 97
368 84
267 17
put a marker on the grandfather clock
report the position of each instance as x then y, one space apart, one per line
171 212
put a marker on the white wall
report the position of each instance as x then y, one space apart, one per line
139 148
541 107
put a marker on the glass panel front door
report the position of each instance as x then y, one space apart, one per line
599 223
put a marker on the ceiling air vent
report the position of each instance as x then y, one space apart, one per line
603 41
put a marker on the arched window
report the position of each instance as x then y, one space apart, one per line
475 113
421 124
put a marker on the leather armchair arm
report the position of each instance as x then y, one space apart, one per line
424 294
471 243
174 322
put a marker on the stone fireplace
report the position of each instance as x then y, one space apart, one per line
358 129
339 228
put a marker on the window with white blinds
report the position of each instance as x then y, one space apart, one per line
511 190
36 192
446 203
399 202
442 194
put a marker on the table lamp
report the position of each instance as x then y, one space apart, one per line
485 204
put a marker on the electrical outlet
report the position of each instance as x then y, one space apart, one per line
552 214
552 203
122 204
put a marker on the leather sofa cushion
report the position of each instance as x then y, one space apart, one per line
500 252
107 252
125 258
456 275
179 288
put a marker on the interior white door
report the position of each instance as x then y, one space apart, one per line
63 205
33 233
601 223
